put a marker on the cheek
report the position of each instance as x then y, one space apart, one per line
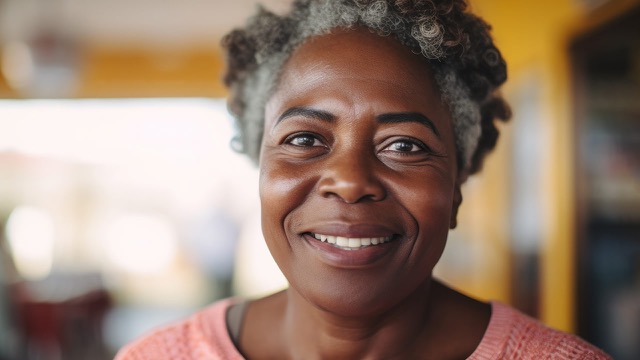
282 190
283 186
430 206
428 196
435 212
436 216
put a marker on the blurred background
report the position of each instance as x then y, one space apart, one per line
123 207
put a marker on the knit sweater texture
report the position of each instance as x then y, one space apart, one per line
510 335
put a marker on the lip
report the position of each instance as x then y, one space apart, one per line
352 259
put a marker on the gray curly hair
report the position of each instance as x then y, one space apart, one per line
467 66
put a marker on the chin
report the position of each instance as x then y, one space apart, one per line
352 296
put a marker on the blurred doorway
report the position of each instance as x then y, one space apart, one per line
606 63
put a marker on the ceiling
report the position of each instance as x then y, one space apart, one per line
149 22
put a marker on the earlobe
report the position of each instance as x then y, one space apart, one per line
457 200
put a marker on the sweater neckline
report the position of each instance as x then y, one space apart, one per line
492 340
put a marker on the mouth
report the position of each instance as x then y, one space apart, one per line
346 243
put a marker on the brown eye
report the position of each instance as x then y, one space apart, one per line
404 146
303 140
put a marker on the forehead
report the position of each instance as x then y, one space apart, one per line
360 72
358 53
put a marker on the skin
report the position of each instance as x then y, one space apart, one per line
359 145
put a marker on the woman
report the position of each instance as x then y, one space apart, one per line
365 117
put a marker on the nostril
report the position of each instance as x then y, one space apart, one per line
353 191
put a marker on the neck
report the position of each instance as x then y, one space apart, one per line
391 334
433 320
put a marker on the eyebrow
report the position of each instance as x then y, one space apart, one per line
307 113
388 118
394 118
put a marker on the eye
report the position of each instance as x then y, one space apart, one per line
405 146
303 140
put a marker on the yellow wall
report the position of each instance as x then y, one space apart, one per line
128 71
135 72
534 37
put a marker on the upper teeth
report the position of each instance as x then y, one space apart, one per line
352 243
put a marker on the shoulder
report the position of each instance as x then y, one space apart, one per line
511 334
201 336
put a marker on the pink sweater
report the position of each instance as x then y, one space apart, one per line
510 335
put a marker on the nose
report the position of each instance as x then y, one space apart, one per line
352 178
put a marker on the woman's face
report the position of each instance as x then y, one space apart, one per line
358 179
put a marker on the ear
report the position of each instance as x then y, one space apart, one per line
457 200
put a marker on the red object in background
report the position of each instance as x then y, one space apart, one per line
68 328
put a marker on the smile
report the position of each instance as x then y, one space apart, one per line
352 243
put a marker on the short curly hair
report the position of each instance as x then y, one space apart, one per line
468 68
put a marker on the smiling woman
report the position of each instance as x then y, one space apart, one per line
365 117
